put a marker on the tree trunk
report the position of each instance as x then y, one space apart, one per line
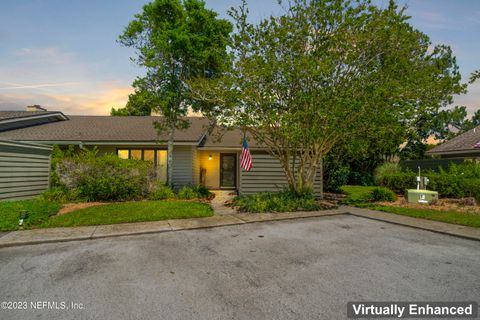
321 179
171 137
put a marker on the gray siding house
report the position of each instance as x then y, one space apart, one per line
199 158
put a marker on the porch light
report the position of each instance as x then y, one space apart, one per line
209 157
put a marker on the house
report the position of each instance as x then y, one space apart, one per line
198 157
462 146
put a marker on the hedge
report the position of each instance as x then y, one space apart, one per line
447 185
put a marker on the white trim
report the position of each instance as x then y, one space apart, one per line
474 151
112 143
33 117
228 149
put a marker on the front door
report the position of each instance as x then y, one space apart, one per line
228 170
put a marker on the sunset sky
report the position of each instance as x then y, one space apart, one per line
64 56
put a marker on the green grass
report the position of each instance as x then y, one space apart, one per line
454 217
41 213
359 196
131 212
283 201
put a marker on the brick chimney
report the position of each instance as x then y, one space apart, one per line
35 107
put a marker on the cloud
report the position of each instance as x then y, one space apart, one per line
98 101
50 55
471 100
59 79
431 19
10 86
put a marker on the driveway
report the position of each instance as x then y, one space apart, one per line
301 269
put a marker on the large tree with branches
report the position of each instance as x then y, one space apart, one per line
175 40
326 71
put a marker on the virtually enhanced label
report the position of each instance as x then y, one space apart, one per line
404 310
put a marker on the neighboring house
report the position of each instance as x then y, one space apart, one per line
198 158
462 146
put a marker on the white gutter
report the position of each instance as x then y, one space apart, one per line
41 116
109 143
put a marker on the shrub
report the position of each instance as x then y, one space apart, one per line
203 192
465 170
187 193
458 182
399 182
194 192
283 201
57 194
335 178
360 178
105 178
161 192
384 169
383 194
471 188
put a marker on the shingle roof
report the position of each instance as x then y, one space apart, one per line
460 144
228 139
105 128
7 115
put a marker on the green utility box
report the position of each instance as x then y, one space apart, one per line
421 196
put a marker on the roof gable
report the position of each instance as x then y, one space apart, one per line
460 144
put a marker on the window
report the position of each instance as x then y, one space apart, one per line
149 155
136 154
123 153
157 156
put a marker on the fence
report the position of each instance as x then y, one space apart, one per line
430 164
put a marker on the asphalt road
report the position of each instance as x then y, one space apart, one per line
302 269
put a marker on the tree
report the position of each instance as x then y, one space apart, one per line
174 41
139 104
327 72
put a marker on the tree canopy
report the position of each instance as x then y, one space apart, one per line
327 73
174 41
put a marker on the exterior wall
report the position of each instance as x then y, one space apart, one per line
267 175
183 168
24 170
210 167
195 166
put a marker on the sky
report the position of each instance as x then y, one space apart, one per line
63 55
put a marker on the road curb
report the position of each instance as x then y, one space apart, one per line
142 228
198 223
449 229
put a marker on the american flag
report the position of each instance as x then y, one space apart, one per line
246 157
477 145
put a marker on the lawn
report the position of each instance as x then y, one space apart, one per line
359 196
38 212
41 213
454 217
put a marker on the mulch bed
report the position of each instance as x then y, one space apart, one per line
69 207
467 205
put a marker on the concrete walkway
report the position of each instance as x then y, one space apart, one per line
221 198
37 236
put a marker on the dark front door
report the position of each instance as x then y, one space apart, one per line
228 170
